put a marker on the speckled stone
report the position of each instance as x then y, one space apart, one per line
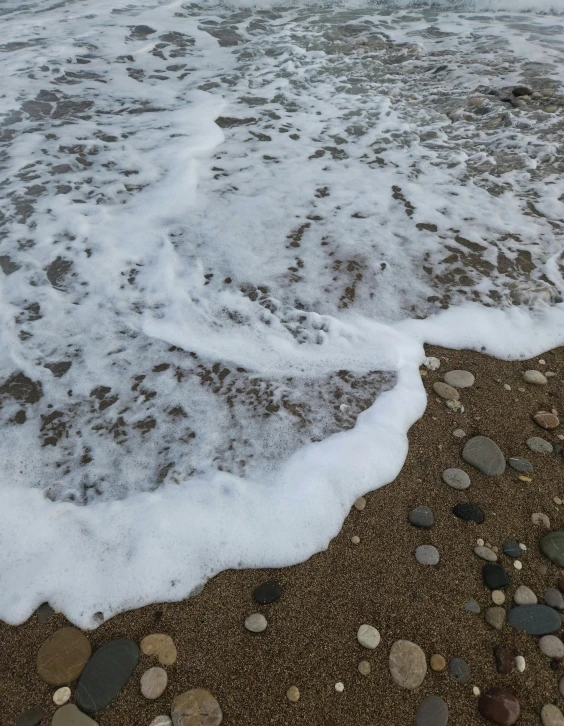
433 711
456 478
427 555
368 636
421 517
552 546
525 596
535 619
520 464
459 379
459 669
485 455
408 664
485 553
198 707
539 446
495 616
445 391
499 706
437 662
552 647
511 548
153 682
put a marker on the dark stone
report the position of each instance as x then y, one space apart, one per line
485 455
495 576
560 584
105 674
44 612
468 512
32 717
268 592
433 711
520 464
499 706
535 619
511 548
504 659
459 669
554 665
552 545
521 91
421 517
22 388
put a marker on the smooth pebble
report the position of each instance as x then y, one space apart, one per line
368 636
153 682
256 623
61 696
525 596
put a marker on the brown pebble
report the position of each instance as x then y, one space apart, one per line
438 663
499 707
293 694
546 420
504 659
160 645
62 657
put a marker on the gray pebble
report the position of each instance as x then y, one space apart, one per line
421 517
552 646
459 379
539 446
535 377
525 596
553 598
256 623
445 391
495 616
485 553
427 555
433 711
472 606
520 464
456 478
511 548
459 669
485 455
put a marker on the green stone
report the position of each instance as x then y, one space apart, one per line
552 545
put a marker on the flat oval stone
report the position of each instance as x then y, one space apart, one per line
268 592
525 596
256 623
485 553
511 548
552 646
31 717
485 455
546 420
368 636
553 598
504 659
520 464
62 657
106 673
495 576
421 517
427 555
162 646
153 682
69 715
445 391
197 707
408 664
535 619
495 616
459 379
551 716
535 377
459 669
499 706
468 512
456 478
552 546
540 446
433 711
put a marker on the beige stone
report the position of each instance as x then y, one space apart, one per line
160 645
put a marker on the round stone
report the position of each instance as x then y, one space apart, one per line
360 504
161 721
355 539
70 715
256 623
339 687
153 682
368 636
427 555
433 711
459 434
520 464
468 512
553 598
421 517
485 455
511 548
495 616
546 420
268 592
62 696
459 379
498 597
551 716
456 478
504 659
540 520
364 668
62 657
437 662
535 377
499 706
162 646
539 446
520 663
525 596
432 363
535 619
472 606
293 694
408 665
517 564
495 576
552 646
459 669
445 391
485 553
552 546
197 707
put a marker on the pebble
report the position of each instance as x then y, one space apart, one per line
355 539
468 512
517 564
160 645
542 569
339 687
456 478
449 393
161 721
557 501
44 613
546 420
459 433
432 363
459 379
495 616
504 659
480 542
485 455
520 664
540 520
106 673
552 646
476 691
197 707
535 619
427 555
69 715
293 694
551 716
364 667
507 387
368 636
454 406
153 682
553 598
485 553
560 584
437 662
535 377
499 706
31 717
256 623
525 596
269 592
459 669
360 504
495 576
433 711
472 606
408 665
520 464
552 546
61 696
421 517
498 597
62 657
539 446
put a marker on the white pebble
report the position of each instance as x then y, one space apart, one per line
557 500
459 433
476 691
339 687
480 542
507 386
517 564
368 636
498 597
256 623
161 721
432 363
550 374
360 504
62 695
542 362
355 539
520 663
522 547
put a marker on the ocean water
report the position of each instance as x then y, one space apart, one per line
226 232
